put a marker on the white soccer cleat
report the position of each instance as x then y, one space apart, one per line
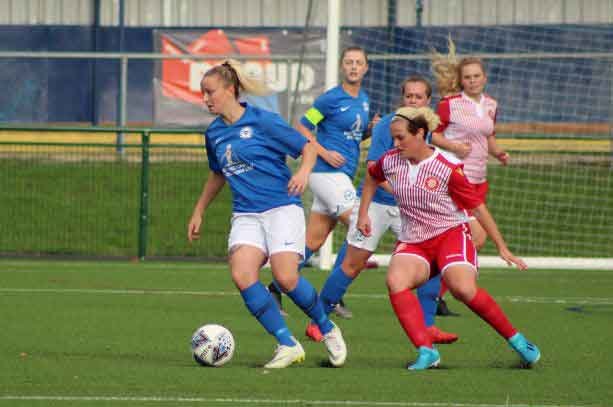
335 344
286 355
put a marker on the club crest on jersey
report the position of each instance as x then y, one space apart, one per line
432 183
365 106
491 114
246 132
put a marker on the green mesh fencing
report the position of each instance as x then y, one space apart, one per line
75 193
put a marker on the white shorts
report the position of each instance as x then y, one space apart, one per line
382 218
333 193
277 230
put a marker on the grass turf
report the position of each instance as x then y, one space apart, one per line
119 332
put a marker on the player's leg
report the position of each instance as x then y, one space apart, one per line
427 295
460 276
407 270
287 225
245 262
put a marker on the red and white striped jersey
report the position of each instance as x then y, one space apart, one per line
432 195
464 120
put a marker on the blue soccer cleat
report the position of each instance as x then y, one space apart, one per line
427 358
529 352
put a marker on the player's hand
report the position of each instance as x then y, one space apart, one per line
334 158
297 184
511 259
364 225
461 149
193 228
503 157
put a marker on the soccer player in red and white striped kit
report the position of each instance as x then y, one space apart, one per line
468 118
433 195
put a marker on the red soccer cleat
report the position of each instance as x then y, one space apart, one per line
438 336
313 332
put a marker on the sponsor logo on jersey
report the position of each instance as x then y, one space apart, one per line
344 108
233 166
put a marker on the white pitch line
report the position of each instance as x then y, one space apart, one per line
269 401
518 299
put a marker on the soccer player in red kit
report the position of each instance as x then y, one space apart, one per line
433 195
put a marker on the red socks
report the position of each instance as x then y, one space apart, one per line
484 305
407 309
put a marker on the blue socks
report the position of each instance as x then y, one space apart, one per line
335 287
307 255
427 294
305 296
262 306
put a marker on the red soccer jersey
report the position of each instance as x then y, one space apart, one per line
464 120
432 195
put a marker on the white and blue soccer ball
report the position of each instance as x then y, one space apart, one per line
212 345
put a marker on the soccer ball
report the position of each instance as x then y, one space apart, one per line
212 345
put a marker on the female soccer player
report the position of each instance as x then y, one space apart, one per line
247 147
340 116
468 117
433 195
384 214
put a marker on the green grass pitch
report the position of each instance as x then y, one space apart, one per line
117 334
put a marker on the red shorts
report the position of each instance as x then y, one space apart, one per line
454 246
481 190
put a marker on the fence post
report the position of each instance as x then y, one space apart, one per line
143 219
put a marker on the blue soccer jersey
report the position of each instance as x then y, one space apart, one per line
380 143
251 154
341 120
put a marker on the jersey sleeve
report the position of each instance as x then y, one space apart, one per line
284 138
494 120
210 154
462 192
375 169
317 112
444 112
381 140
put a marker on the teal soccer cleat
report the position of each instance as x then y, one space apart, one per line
529 352
427 358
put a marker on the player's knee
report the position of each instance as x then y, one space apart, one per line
353 267
395 281
463 293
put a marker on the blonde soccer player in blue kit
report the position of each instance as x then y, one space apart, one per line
247 148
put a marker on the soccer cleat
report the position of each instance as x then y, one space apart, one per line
443 310
438 336
342 311
276 295
286 355
427 358
313 332
335 344
528 352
